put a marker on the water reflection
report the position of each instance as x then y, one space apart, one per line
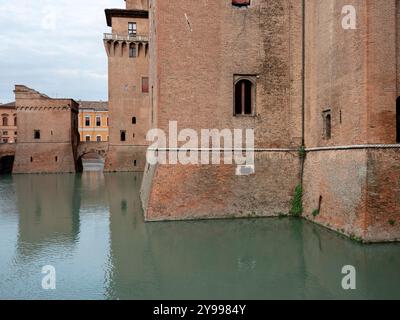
48 207
90 227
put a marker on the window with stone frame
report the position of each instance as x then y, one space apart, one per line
244 95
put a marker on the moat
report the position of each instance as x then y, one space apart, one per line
90 228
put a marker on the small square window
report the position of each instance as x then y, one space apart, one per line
36 134
132 28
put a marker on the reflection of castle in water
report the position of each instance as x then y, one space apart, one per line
195 259
235 259
48 208
133 272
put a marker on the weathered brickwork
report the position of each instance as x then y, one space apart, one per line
214 191
196 60
350 77
48 134
383 202
335 184
197 49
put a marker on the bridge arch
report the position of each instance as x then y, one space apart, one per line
91 156
7 156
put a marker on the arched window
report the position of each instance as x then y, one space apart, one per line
123 135
398 120
244 97
5 121
133 120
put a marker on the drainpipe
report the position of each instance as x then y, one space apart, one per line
303 89
303 76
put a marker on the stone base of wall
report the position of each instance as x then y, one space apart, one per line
383 203
354 192
44 158
180 192
125 159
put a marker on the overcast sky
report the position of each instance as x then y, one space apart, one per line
55 47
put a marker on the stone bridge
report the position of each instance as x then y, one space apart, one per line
100 148
7 149
7 154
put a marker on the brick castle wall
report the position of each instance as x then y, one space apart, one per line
57 120
198 49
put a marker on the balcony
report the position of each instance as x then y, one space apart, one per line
132 38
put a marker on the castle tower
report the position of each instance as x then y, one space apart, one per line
48 134
352 173
127 50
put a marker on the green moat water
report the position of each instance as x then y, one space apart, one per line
90 228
